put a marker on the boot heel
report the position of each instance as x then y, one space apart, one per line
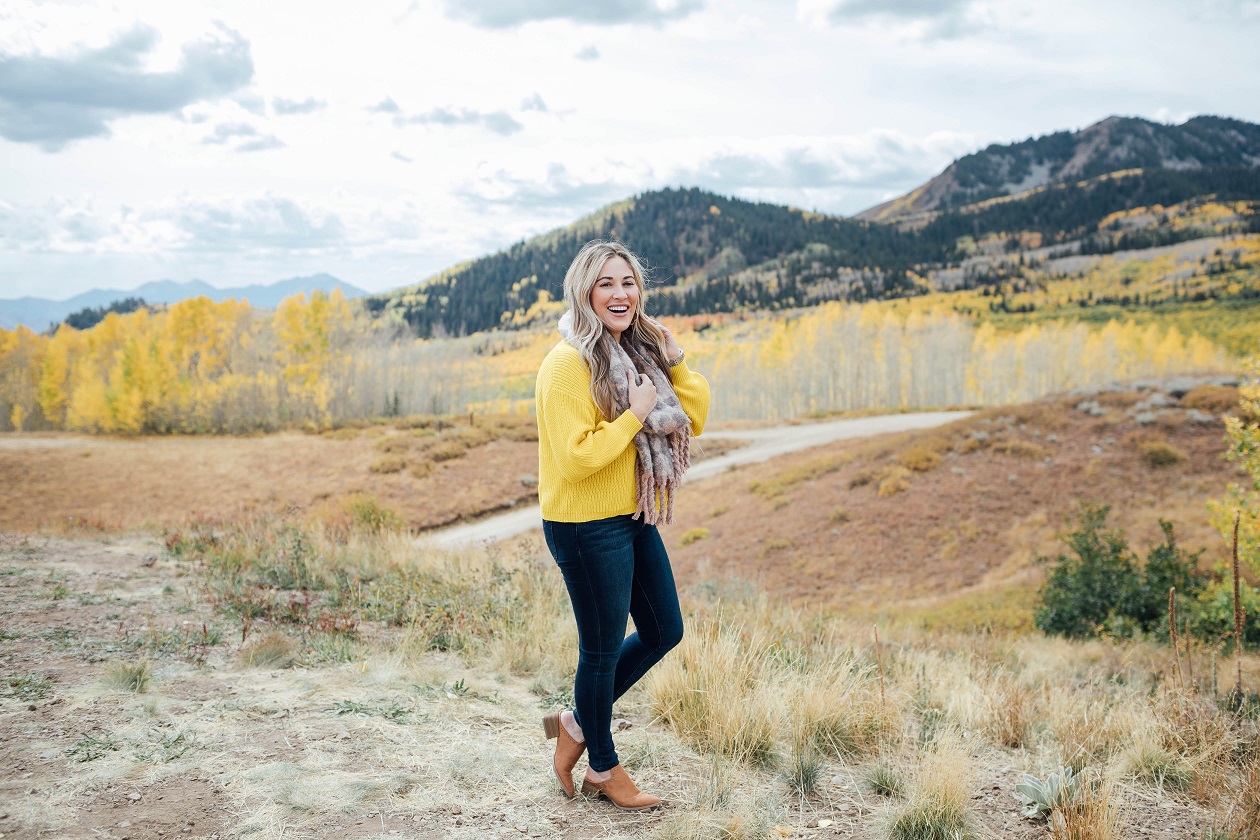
591 790
551 725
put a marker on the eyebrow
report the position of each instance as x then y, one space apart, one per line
610 277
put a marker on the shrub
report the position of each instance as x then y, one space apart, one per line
840 516
1158 453
1211 614
1102 586
863 477
694 535
1021 449
1214 398
388 464
919 458
367 514
447 450
894 481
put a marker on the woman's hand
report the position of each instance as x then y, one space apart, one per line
672 351
642 396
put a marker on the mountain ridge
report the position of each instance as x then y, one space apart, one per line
38 313
1111 144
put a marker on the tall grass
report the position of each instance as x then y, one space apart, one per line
756 690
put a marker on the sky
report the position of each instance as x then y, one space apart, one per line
380 141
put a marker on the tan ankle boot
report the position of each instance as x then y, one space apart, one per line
620 791
568 751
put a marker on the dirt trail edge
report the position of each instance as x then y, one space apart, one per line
763 444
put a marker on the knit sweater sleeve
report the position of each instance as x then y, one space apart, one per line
693 394
580 440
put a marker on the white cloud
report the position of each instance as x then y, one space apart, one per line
287 107
51 100
501 14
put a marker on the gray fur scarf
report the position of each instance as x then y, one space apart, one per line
664 442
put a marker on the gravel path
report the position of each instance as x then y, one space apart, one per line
763 444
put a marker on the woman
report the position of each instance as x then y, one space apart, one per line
617 407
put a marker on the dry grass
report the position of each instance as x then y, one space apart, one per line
130 677
156 483
937 803
273 650
766 715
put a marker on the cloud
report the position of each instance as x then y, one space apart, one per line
286 107
253 139
53 100
385 106
254 225
588 53
227 132
399 156
933 18
504 14
263 222
558 190
500 122
262 144
534 103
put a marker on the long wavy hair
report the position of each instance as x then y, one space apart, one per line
590 337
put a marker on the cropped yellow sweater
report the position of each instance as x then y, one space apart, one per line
586 462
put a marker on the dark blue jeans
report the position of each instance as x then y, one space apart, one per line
614 568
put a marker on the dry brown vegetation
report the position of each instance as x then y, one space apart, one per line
950 519
258 672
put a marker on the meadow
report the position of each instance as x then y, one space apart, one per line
312 671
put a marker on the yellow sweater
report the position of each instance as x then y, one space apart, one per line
585 462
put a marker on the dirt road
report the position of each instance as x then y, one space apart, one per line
762 445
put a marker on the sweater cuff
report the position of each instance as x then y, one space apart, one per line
627 422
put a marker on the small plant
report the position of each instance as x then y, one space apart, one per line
775 545
693 535
840 516
884 779
804 767
894 481
367 514
920 458
1158 453
28 687
132 677
58 592
936 808
1060 789
274 650
90 747
388 464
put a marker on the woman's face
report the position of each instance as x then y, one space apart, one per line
615 296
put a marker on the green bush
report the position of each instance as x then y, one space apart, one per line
1211 614
1101 586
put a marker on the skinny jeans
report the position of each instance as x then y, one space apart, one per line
614 568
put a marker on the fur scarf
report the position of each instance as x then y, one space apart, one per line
664 442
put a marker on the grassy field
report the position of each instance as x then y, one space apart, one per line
857 661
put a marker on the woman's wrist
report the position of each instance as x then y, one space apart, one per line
674 360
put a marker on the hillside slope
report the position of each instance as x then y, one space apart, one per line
1110 145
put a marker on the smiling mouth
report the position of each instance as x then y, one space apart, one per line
619 310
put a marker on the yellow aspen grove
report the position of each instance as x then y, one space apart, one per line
311 339
20 358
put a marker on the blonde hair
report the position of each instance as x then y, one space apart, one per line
590 337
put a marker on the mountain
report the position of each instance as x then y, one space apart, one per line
693 242
39 313
1114 144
